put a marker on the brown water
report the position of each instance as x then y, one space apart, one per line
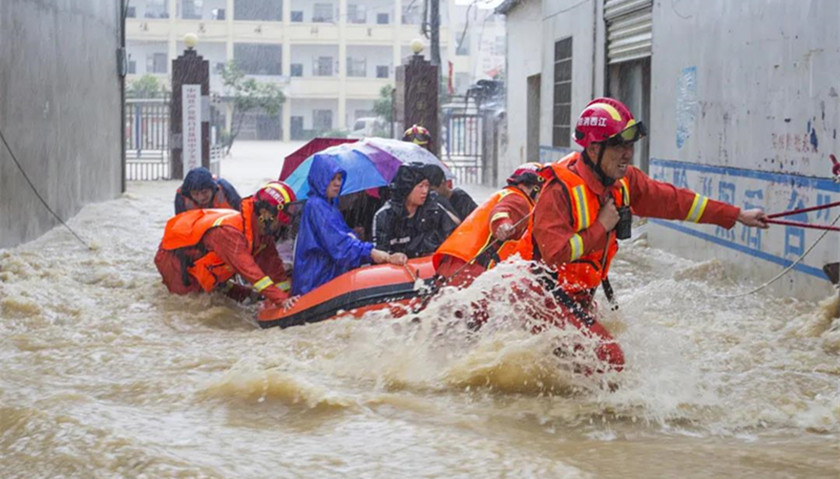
104 374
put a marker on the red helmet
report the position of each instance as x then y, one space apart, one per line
417 135
279 196
527 173
605 120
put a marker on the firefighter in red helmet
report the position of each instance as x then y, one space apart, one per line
203 249
586 204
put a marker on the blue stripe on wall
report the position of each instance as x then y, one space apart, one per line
803 268
824 184
800 181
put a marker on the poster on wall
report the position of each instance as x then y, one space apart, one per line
191 118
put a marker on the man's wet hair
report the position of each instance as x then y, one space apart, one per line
434 174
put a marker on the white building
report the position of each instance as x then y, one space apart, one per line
741 98
331 56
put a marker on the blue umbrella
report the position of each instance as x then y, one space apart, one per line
367 166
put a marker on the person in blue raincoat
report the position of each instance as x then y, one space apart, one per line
326 247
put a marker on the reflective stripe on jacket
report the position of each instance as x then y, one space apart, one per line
188 228
474 234
583 272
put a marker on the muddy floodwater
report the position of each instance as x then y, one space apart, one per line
106 375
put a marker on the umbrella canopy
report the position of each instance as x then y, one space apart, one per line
408 152
301 154
367 166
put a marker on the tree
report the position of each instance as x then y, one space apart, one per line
248 94
382 106
147 86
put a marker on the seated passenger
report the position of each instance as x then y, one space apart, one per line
411 222
455 201
202 249
201 190
325 246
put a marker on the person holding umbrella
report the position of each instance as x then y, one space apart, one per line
326 247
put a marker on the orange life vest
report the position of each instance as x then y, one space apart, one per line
583 272
473 235
219 200
188 228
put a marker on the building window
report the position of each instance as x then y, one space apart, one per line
156 63
382 71
356 67
258 58
463 48
132 67
322 66
191 9
297 16
382 19
261 10
157 9
356 14
322 13
131 12
296 69
561 125
412 13
322 120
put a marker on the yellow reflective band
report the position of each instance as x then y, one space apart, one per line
282 191
576 243
609 109
581 207
260 285
500 215
625 192
285 285
697 208
222 218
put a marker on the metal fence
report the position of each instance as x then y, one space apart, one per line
465 147
147 135
147 139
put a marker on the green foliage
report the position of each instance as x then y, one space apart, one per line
147 86
334 133
248 94
382 106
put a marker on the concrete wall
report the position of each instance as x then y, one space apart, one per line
59 111
524 34
745 109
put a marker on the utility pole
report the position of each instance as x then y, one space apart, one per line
434 24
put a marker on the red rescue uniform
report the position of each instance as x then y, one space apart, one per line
571 243
202 249
507 206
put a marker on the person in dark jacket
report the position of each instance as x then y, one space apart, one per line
411 222
326 247
201 190
455 200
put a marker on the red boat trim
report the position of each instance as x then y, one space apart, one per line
346 302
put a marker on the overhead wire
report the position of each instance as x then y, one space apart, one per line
35 190
784 271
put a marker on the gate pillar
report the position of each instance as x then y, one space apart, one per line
189 122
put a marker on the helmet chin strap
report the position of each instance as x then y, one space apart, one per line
596 167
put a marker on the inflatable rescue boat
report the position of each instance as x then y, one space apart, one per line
356 292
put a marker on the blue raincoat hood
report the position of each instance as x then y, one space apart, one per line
321 173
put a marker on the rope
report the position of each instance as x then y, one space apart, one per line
14 158
784 271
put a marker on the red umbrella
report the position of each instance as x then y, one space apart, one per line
315 145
